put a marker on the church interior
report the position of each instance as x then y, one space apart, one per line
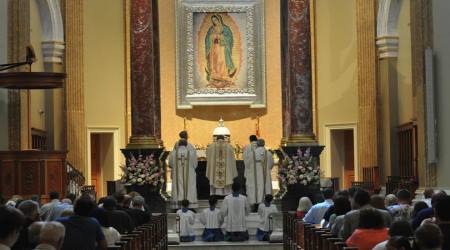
158 99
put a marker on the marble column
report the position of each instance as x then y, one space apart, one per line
296 72
145 93
297 94
145 80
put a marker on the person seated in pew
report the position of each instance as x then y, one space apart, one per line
316 213
371 230
399 228
235 209
264 211
398 243
137 211
186 222
51 236
111 234
304 204
212 219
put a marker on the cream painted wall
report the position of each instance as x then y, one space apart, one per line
240 120
37 97
104 67
3 59
404 77
336 69
441 45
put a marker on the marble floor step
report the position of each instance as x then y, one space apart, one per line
247 245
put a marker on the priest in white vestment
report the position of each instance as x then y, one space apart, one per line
258 175
221 166
235 208
184 135
249 153
183 161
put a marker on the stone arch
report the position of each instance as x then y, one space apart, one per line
52 30
387 22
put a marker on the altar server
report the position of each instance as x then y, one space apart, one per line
187 220
258 175
235 208
183 162
212 219
265 209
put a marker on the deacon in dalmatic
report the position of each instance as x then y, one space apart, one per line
258 167
221 166
183 161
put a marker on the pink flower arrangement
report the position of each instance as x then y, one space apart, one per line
141 171
300 169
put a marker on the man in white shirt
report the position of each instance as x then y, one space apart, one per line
316 213
11 221
235 208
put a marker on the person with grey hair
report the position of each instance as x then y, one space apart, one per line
136 211
390 200
258 176
51 236
34 230
30 210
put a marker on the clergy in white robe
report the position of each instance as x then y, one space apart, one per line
235 208
220 166
258 175
184 135
183 162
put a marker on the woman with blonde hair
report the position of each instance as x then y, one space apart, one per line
304 204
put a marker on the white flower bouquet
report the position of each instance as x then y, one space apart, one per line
140 171
301 168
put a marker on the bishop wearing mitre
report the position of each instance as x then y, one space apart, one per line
221 166
183 161
258 173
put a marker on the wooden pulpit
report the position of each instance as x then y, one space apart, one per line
32 172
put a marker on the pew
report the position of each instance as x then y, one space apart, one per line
299 235
149 236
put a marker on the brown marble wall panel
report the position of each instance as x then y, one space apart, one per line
7 178
54 176
29 177
145 81
296 74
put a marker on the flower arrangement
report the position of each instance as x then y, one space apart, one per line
301 168
140 171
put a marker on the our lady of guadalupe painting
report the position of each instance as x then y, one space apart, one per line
220 68
220 53
221 42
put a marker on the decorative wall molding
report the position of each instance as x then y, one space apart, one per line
52 30
387 27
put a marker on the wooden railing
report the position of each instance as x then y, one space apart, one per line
149 236
300 235
75 180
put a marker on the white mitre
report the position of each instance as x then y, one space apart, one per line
221 130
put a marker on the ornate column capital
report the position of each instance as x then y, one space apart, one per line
53 51
387 46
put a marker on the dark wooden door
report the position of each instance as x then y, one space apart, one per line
96 169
